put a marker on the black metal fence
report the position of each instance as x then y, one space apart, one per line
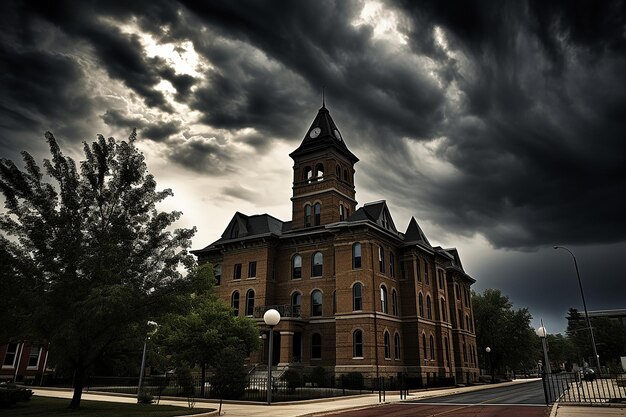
286 385
584 388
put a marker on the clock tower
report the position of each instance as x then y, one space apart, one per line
323 176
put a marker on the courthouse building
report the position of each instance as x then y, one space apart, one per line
355 293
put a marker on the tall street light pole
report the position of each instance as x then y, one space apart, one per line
488 350
542 333
143 358
271 318
582 295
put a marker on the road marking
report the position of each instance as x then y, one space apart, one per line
470 404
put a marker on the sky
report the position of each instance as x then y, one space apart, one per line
499 125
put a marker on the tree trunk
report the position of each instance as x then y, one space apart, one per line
79 383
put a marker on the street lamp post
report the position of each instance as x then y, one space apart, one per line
143 358
582 295
488 350
542 333
271 318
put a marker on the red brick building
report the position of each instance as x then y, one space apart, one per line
23 362
354 293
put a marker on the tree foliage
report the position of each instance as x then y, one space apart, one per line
506 331
610 338
87 257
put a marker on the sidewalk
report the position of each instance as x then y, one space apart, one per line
590 411
317 407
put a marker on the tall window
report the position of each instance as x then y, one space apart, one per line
381 259
237 271
317 209
447 346
419 274
250 302
432 347
443 310
387 345
394 302
420 304
429 310
316 303
440 274
396 346
252 269
392 265
338 171
356 255
460 318
308 173
319 172
33 358
357 297
467 325
345 175
456 291
11 355
316 346
342 214
383 298
357 344
296 300
425 348
234 303
307 216
217 272
296 267
426 279
317 264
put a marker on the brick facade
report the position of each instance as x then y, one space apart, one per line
377 330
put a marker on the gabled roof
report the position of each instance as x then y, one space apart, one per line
329 136
414 234
376 212
457 258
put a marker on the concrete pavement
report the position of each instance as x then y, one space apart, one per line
320 407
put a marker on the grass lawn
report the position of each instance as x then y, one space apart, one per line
45 406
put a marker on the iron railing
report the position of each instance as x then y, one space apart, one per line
580 388
285 310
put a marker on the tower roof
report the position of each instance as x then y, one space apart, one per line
414 234
323 134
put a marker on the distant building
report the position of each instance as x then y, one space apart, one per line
616 316
23 362
355 294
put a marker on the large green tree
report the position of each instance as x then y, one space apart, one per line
206 328
86 256
506 331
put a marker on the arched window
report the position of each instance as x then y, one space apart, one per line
383 299
356 255
234 303
250 302
217 272
429 310
357 344
345 175
394 302
467 324
338 171
342 214
296 267
307 216
316 303
317 265
392 264
443 310
308 173
381 259
296 301
316 346
387 345
460 314
317 210
319 172
447 345
396 346
421 305
426 279
357 297
424 346
432 347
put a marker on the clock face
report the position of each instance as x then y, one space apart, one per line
315 132
337 134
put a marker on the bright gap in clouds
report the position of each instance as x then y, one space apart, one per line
383 20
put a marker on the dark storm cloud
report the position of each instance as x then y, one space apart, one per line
156 131
206 155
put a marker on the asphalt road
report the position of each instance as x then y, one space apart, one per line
524 400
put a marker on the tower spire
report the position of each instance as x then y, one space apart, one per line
323 96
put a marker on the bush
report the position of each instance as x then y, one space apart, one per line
292 378
352 380
319 376
144 398
10 394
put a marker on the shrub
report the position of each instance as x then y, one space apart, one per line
11 394
145 398
292 378
319 376
352 380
